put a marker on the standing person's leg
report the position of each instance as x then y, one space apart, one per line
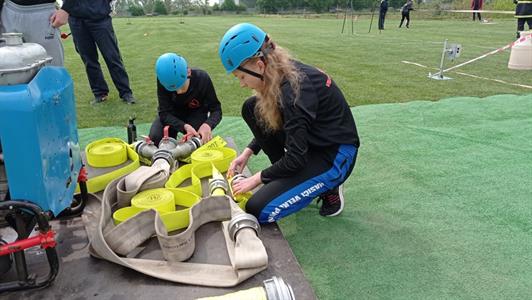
33 21
520 26
156 131
479 17
325 171
271 143
403 16
473 16
408 20
86 47
529 22
104 36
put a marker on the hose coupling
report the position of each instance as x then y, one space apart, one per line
277 289
243 221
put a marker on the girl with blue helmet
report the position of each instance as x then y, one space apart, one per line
187 100
299 118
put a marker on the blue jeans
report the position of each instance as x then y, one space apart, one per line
90 35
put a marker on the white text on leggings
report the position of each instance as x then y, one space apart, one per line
304 194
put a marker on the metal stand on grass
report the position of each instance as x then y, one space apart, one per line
451 53
372 14
345 17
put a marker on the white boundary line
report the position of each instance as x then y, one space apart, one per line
506 12
473 76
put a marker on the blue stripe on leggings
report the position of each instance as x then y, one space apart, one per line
302 194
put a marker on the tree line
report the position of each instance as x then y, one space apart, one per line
142 7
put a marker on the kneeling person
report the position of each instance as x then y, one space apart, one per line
187 100
299 118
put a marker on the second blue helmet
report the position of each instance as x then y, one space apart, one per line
239 43
172 71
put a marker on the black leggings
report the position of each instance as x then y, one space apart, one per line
326 169
407 17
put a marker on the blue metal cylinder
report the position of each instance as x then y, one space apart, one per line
38 130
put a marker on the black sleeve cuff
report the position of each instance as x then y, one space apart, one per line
254 146
67 5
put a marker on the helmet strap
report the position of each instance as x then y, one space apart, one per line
248 71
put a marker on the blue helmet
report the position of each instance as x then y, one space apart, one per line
172 71
239 43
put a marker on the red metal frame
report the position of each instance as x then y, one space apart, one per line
45 240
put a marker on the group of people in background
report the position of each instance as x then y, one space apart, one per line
523 13
405 13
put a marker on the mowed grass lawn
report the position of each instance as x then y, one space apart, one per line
367 67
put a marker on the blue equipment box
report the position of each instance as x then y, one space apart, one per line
38 132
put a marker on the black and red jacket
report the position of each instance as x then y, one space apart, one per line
199 101
320 118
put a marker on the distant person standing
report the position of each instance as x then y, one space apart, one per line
523 13
476 5
382 13
92 29
405 13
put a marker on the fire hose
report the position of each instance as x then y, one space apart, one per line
114 242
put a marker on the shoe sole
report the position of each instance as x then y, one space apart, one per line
341 194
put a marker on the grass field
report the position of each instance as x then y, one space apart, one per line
367 67
438 205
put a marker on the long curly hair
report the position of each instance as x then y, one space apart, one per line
279 66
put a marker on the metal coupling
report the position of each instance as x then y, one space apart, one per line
277 289
145 149
168 143
195 141
163 154
238 177
216 183
243 221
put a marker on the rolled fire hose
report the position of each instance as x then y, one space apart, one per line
273 289
246 252
96 153
183 196
164 201
196 171
163 160
104 153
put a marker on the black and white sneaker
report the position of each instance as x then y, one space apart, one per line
332 202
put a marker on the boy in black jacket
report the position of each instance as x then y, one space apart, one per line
187 100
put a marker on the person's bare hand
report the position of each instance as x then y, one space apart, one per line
205 132
246 184
59 18
238 164
190 130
